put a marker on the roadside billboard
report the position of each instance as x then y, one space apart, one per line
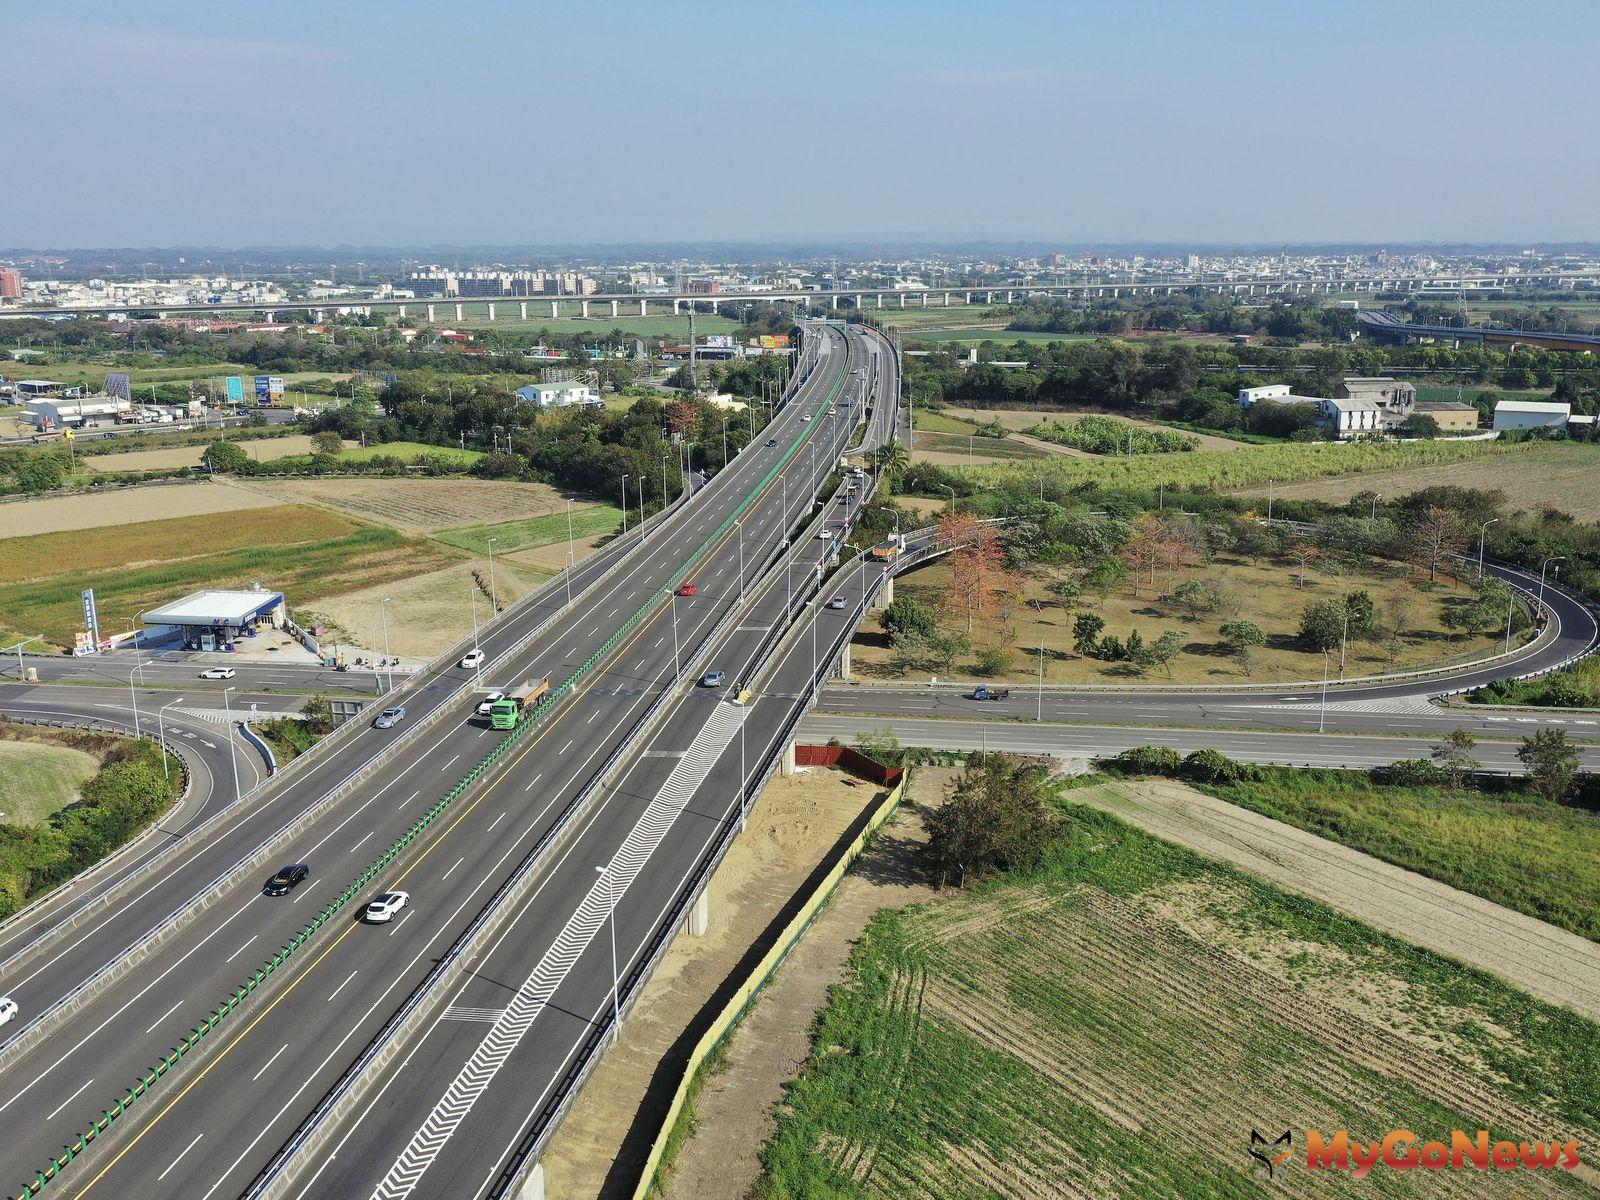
91 619
719 341
235 389
120 386
261 389
274 388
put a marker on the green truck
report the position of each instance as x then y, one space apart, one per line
505 712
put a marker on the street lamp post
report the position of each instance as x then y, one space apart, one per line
640 482
472 594
624 503
383 612
494 588
18 648
134 696
161 731
1322 714
677 664
1555 558
1482 534
611 914
1376 496
739 525
571 561
952 492
1040 715
233 750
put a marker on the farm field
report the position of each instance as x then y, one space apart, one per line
414 505
1114 1024
123 506
1262 592
431 611
1019 419
1001 336
1560 474
656 325
1285 463
410 452
305 552
38 779
1513 849
587 522
259 449
1468 392
94 374
950 450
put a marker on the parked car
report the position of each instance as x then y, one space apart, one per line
836 602
390 717
686 589
472 659
286 880
218 673
712 679
383 908
8 1010
487 702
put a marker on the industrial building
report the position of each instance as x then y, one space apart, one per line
213 620
1391 395
1451 416
568 394
10 283
61 413
1532 414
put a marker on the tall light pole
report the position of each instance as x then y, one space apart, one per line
640 482
18 648
739 525
624 503
743 786
472 594
233 750
952 492
1482 533
677 664
494 589
611 914
1376 496
571 562
383 612
134 696
664 459
1040 715
161 731
1322 714
1555 558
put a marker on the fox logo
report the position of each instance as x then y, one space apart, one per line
1268 1155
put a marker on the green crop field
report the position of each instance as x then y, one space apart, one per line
1467 393
410 452
1117 1021
656 325
77 374
535 531
1540 859
1256 466
931 421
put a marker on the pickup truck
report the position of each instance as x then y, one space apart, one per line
985 692
505 712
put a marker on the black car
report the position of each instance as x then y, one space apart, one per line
772 441
286 880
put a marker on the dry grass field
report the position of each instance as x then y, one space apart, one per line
119 506
1017 419
1560 474
416 505
1266 593
260 449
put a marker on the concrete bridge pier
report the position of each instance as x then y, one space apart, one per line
786 765
858 301
902 299
491 312
880 300
676 310
844 662
644 307
885 596
522 309
460 312
532 1184
947 299
316 316
1009 297
555 309
833 302
402 312
699 918
966 297
430 313
583 306
616 308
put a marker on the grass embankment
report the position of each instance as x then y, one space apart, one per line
410 452
37 780
1576 687
1512 848
124 794
509 536
1260 465
304 552
1116 1021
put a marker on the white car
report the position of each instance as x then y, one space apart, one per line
8 1010
218 673
383 908
836 602
473 659
487 702
824 534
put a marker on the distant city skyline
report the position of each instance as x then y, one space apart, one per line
402 125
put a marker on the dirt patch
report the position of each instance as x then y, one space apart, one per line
1539 958
733 1114
417 505
797 822
260 449
553 558
429 614
124 506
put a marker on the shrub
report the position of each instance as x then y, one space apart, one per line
1411 772
1147 760
995 661
1212 766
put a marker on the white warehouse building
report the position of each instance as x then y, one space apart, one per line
1532 414
558 395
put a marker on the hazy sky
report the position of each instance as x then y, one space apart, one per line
393 122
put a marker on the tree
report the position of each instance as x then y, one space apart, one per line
1418 425
979 578
226 458
1486 610
997 660
1086 632
1241 638
1167 647
906 615
326 442
1362 611
317 714
996 818
1435 537
1551 763
1322 625
1454 756
1191 595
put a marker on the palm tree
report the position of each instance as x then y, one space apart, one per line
892 457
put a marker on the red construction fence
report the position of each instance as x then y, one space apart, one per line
851 760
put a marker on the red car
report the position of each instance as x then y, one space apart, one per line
686 589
